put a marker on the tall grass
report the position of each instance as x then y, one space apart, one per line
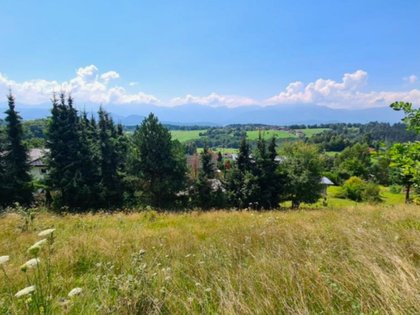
355 260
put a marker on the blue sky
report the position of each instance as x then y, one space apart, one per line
243 52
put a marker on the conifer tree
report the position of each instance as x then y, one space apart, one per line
72 163
16 177
159 164
112 161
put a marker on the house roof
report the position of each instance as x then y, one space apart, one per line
36 157
326 181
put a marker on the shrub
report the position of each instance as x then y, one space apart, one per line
353 188
395 189
371 192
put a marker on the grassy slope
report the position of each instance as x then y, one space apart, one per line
185 135
350 260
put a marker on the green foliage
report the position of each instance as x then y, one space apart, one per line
354 161
16 185
302 168
395 189
159 163
209 190
113 151
412 115
357 189
405 161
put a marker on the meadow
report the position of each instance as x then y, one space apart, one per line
359 259
186 135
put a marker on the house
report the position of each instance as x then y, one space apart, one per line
37 163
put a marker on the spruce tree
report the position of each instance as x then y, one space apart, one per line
17 180
159 164
72 174
112 160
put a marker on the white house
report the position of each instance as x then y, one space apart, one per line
37 163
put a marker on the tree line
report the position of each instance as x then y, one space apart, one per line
93 164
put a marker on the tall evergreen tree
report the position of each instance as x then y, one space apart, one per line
112 162
159 164
73 164
17 180
268 178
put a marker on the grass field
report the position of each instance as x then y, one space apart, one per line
186 135
309 132
356 260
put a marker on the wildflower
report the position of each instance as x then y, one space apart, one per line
46 232
31 263
34 249
74 292
167 278
4 259
41 242
207 289
26 291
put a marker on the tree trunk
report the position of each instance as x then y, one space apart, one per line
407 193
295 204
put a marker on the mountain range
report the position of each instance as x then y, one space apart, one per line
194 114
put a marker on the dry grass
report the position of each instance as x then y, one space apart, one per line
356 260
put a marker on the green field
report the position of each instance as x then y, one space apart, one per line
309 132
360 259
186 135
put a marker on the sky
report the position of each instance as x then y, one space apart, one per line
340 54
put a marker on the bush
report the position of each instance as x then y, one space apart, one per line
357 189
395 189
353 188
371 192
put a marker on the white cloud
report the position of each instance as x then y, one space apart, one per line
214 99
345 94
87 86
411 78
91 86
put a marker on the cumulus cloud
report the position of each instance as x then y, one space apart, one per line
214 99
411 78
89 85
348 93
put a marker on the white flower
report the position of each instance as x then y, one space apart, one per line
26 291
31 263
46 232
41 242
74 292
34 249
4 259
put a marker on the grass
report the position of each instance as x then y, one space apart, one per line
186 135
353 260
309 132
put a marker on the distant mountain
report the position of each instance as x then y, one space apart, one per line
193 114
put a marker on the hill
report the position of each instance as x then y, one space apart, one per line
362 259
